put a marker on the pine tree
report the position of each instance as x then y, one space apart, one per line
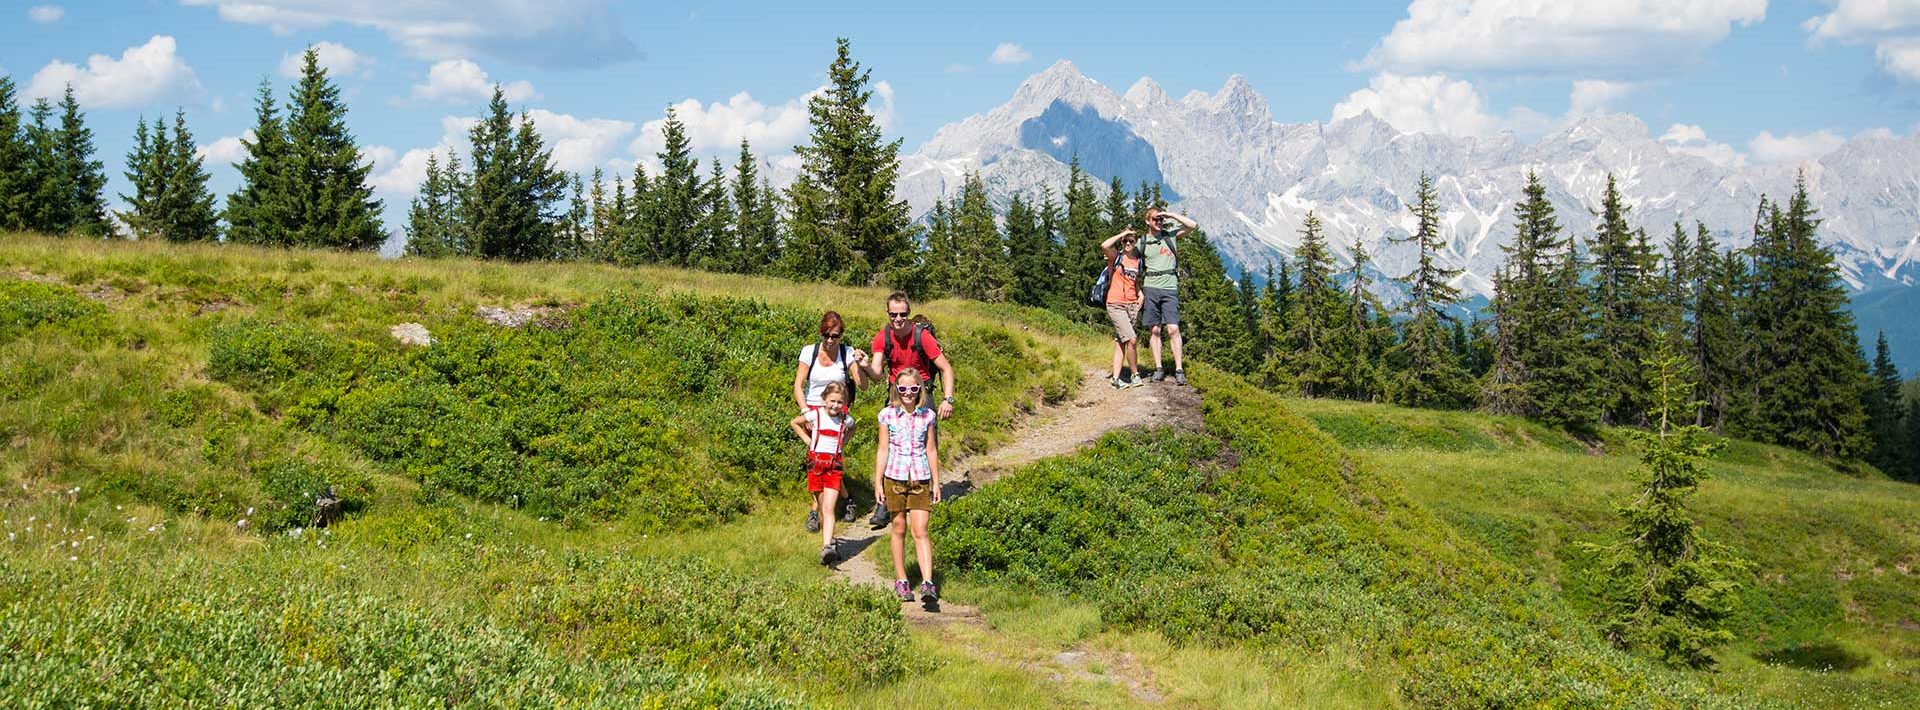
1531 311
261 211
597 216
982 272
1721 348
675 196
1622 295
84 179
1247 304
512 202
1885 408
1807 369
1361 345
1566 375
1119 214
576 227
1211 321
1310 316
1911 426
48 209
1085 230
847 223
427 214
714 245
754 220
16 177
1669 590
1030 256
146 171
333 205
188 204
1429 374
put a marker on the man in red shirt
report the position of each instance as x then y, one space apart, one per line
903 344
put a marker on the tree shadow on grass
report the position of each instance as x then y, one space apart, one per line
1815 657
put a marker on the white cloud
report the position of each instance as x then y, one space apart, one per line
1556 35
1688 139
561 33
718 127
456 80
400 174
1592 96
225 151
337 59
1892 26
142 75
579 144
1769 148
1009 53
1420 104
46 14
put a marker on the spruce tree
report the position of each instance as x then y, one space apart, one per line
1567 388
1311 309
714 243
1506 388
16 176
674 197
1086 228
1362 343
982 272
261 211
1429 374
1669 591
576 227
512 202
1119 214
187 205
1030 256
1807 370
1885 409
597 216
1910 424
146 171
754 227
1722 350
1622 294
83 179
431 214
1211 321
48 207
332 204
847 222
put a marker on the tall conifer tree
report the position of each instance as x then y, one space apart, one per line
1623 326
84 179
847 222
261 211
333 204
1311 310
982 272
1429 373
16 176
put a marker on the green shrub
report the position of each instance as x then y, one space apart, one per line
25 305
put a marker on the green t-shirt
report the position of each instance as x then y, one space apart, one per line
1157 250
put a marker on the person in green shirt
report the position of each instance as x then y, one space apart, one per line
1160 287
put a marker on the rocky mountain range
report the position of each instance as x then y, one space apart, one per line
1250 181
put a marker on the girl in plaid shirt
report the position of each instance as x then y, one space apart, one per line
906 476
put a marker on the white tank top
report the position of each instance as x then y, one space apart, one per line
827 431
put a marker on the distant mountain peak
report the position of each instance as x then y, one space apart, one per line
1147 93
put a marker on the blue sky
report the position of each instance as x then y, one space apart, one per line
1745 80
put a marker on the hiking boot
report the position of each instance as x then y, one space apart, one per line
1117 383
1130 384
1180 377
1159 375
848 514
880 518
826 554
901 590
813 521
928 592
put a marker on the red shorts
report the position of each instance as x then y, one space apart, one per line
825 473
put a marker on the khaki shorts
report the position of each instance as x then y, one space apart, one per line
903 496
1124 315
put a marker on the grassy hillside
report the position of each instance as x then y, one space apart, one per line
598 508
1830 617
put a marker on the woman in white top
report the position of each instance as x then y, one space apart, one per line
822 363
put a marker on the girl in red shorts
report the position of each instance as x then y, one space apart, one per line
825 430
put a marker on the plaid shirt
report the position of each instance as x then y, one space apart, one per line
907 443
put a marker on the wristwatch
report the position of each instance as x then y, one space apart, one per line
949 400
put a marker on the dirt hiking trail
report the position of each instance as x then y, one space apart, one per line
1051 431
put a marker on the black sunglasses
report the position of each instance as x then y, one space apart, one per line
901 314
